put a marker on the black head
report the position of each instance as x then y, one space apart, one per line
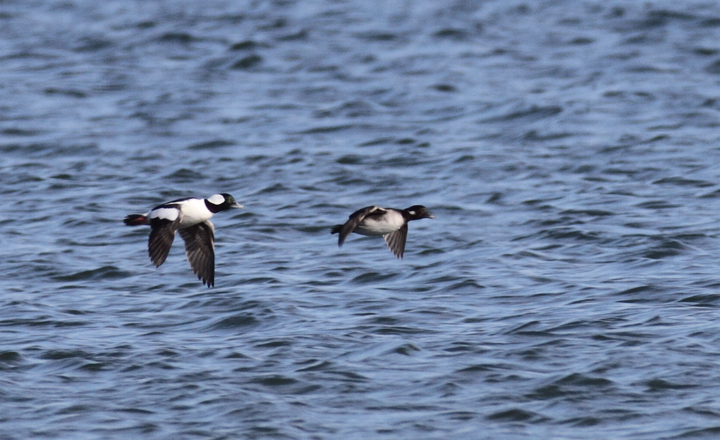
416 212
222 202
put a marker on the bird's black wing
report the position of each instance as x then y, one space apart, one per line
161 238
200 250
396 240
354 220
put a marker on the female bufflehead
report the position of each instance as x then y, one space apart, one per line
389 223
190 217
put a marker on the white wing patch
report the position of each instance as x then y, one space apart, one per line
170 214
217 199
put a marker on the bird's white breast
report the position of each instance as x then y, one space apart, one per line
194 211
388 223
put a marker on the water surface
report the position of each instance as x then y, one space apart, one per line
568 287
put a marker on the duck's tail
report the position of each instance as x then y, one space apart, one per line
136 220
336 229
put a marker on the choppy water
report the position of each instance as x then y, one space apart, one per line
568 288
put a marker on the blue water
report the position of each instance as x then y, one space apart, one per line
568 287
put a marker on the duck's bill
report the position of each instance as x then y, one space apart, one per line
236 205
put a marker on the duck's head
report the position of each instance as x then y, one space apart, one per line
416 212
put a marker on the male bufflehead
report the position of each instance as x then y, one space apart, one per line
190 217
389 223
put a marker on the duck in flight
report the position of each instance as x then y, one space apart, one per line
391 224
191 218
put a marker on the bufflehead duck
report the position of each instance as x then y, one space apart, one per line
190 217
389 223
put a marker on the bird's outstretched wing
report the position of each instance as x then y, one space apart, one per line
396 240
161 238
200 250
354 220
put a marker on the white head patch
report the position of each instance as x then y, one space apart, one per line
411 212
165 214
217 199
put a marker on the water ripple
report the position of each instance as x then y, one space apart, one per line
566 289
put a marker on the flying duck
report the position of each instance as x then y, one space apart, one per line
191 218
390 223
